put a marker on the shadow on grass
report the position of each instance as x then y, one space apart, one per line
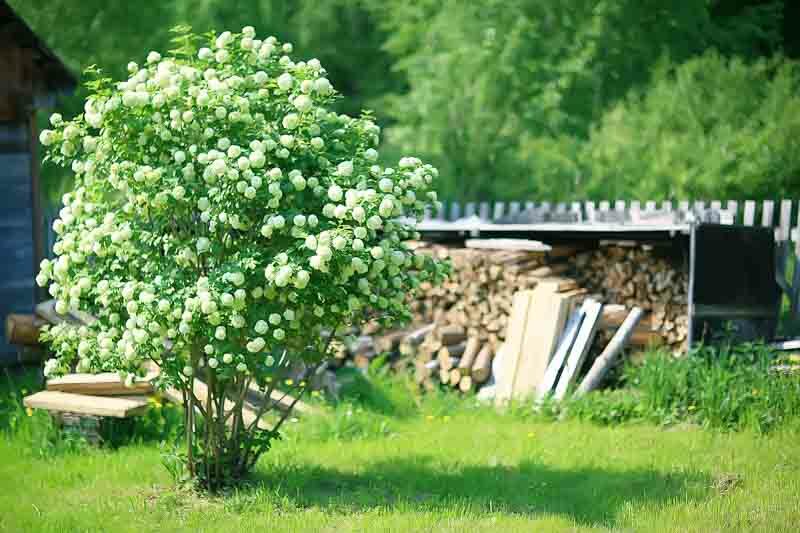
587 495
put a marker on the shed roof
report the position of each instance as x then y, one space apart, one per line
13 29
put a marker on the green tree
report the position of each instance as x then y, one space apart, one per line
502 93
711 127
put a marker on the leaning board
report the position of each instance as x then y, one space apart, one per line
82 404
512 347
546 317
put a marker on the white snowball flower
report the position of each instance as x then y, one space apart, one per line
335 193
323 86
203 244
291 121
302 102
285 81
345 168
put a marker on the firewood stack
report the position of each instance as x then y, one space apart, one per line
638 276
477 296
470 310
462 323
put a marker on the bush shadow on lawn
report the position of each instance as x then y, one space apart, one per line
587 495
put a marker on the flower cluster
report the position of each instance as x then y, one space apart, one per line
223 216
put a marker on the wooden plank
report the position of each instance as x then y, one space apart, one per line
607 359
575 207
733 208
749 213
483 211
580 349
767 211
796 235
455 211
469 209
82 404
635 208
619 206
604 205
515 336
201 392
683 206
281 400
104 384
498 211
785 220
508 244
590 211
564 345
441 214
546 317
666 205
513 208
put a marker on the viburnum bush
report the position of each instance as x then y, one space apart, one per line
225 225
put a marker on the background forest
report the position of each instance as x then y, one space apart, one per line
519 99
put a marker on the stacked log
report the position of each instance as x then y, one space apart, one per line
643 276
477 296
463 321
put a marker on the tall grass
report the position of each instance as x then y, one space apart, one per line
729 387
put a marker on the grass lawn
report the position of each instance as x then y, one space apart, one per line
473 470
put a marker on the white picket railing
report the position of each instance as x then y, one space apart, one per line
783 215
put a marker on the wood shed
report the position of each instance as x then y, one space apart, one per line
31 77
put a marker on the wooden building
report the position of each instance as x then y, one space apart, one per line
31 76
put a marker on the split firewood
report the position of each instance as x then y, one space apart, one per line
455 377
482 367
468 357
23 329
451 334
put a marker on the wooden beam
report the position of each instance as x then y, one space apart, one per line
513 345
249 411
23 329
607 359
104 384
546 318
580 349
82 404
508 244
564 345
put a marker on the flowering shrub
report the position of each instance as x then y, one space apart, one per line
224 225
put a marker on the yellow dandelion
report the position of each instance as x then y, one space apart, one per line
692 407
289 381
530 435
755 392
29 411
429 417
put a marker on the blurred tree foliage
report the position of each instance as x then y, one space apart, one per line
709 128
502 93
510 98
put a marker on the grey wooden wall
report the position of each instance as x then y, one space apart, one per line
16 232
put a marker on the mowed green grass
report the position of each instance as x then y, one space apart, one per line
473 471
